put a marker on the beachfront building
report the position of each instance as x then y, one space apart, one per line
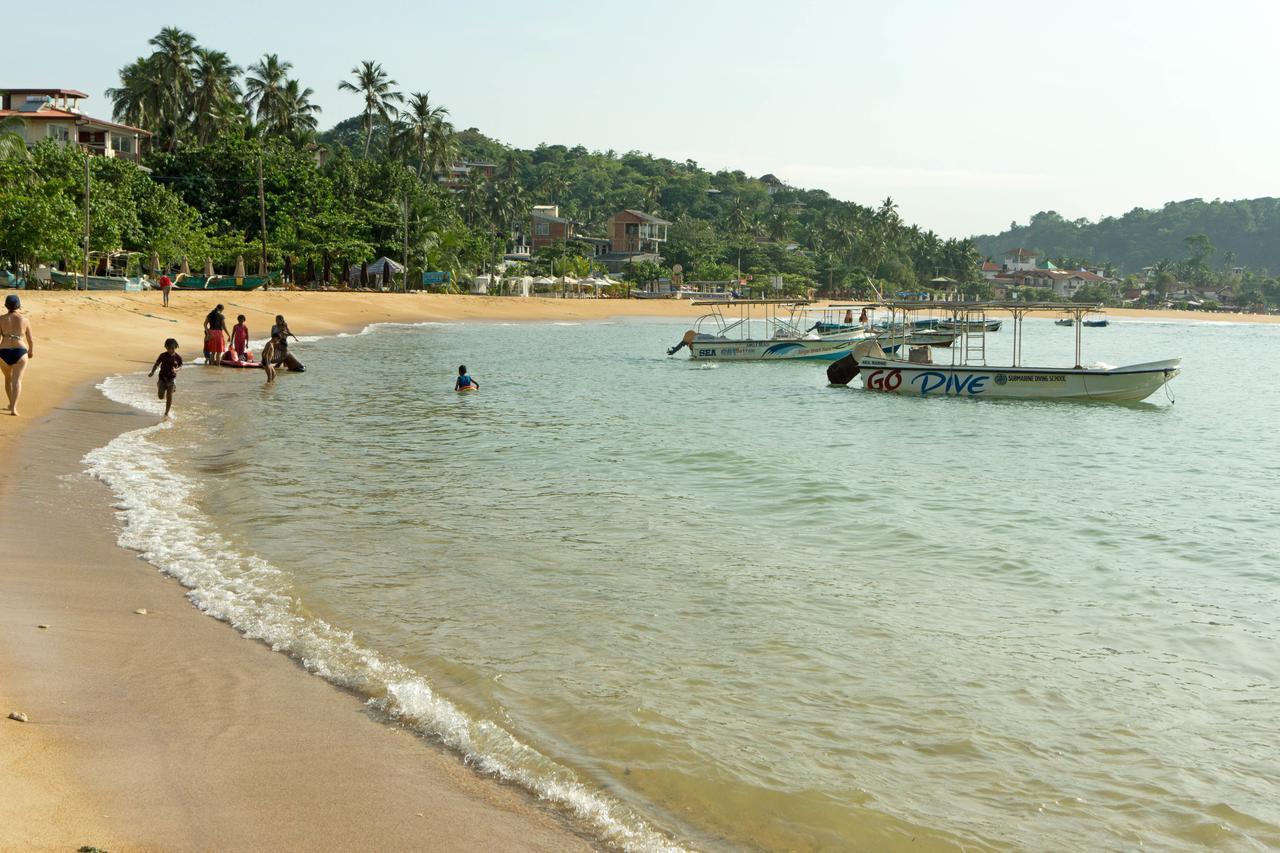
1061 282
40 114
634 236
547 227
1016 260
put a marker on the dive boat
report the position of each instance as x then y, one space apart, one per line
969 375
716 337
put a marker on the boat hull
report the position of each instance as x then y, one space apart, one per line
224 282
1120 384
97 282
772 350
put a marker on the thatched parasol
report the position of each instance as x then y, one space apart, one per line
239 273
208 267
386 274
186 267
262 265
287 274
155 263
327 274
364 273
311 272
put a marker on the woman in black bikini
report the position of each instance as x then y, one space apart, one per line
13 354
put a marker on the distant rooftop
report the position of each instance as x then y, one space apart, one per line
646 217
63 93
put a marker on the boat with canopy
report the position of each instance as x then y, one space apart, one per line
968 374
760 330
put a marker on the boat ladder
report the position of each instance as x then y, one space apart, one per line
974 332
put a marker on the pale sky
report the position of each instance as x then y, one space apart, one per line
970 114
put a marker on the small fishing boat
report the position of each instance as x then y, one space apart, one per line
224 282
989 325
969 375
1066 321
759 332
75 281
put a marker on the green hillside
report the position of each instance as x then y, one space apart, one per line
1244 233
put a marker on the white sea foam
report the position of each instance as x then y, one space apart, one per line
160 518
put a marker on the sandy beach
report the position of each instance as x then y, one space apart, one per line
169 730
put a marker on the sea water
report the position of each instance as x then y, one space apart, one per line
737 608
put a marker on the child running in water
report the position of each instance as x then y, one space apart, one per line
240 338
465 382
269 350
168 362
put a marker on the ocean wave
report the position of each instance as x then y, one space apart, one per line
158 508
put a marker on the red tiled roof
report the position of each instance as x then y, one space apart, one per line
990 266
63 115
1022 253
66 93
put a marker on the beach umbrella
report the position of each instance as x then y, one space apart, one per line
364 273
386 272
239 273
155 263
208 267
327 267
186 267
544 280
288 268
262 266
311 271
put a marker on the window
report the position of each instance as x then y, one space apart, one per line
121 143
542 229
59 132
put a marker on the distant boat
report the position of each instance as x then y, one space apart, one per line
738 337
1096 324
968 325
224 282
98 282
1067 321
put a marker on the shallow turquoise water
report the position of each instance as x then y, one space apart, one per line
761 612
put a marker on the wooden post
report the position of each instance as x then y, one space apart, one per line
262 211
86 218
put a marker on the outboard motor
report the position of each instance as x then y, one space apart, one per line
842 372
686 341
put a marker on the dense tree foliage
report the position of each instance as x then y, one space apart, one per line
1246 233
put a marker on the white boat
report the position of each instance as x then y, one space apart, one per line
968 375
716 337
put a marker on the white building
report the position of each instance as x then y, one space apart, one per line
40 114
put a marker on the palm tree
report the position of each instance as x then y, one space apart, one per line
137 101
215 98
296 115
373 84
474 195
442 147
264 86
13 145
511 164
416 126
174 56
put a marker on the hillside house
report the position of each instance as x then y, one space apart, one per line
464 172
634 236
1017 260
547 227
40 114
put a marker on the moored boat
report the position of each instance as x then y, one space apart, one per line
132 284
716 337
224 282
968 375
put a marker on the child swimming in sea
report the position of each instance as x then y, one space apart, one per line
465 382
168 362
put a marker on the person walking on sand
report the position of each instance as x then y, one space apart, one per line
168 362
240 338
465 382
165 286
215 336
16 349
267 356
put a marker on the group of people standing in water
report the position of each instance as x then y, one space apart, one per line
227 350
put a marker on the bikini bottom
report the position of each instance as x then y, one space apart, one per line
12 355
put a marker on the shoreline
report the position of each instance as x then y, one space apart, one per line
123 765
167 729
